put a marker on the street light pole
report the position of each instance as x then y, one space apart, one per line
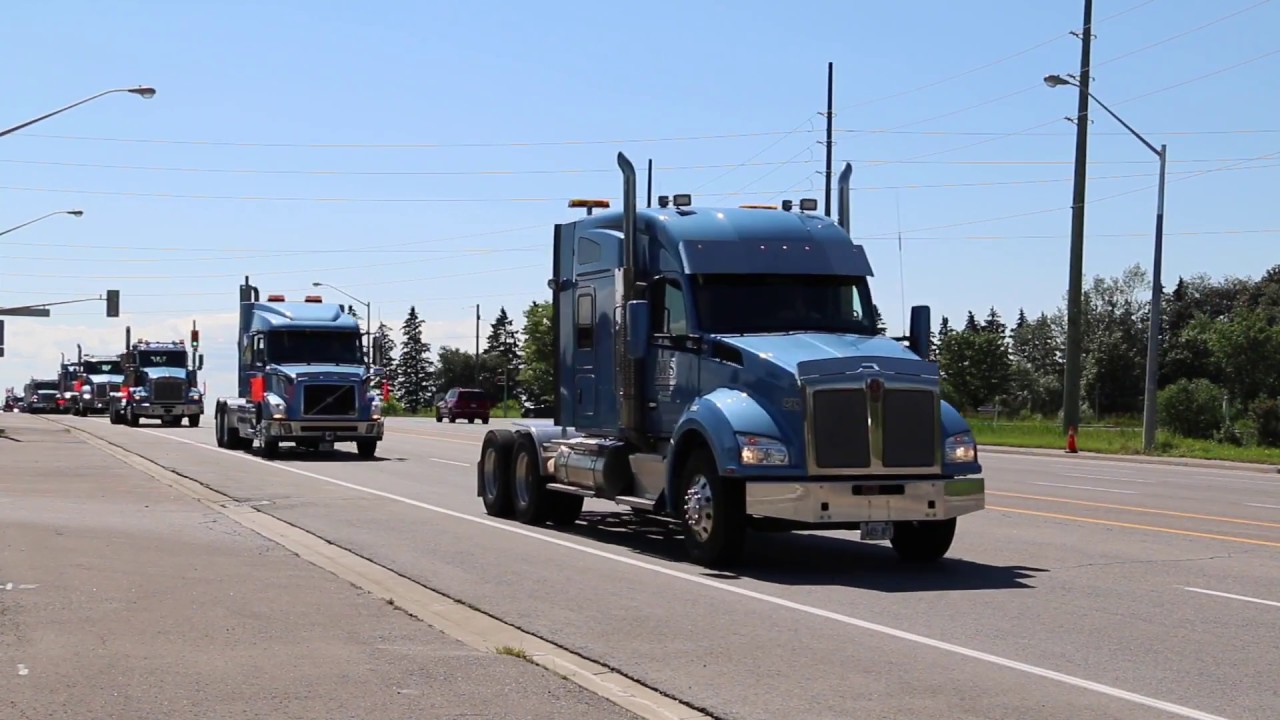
143 92
1153 332
72 213
368 318
1157 288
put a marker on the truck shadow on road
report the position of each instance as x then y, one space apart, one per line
807 559
325 456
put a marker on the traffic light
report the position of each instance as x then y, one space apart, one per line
113 303
195 339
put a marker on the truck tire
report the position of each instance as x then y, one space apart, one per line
367 449
923 541
494 472
270 449
130 419
534 503
193 420
220 428
712 511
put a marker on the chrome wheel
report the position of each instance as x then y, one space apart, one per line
698 514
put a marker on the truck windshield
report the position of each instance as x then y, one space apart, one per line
102 367
748 304
314 347
45 385
160 358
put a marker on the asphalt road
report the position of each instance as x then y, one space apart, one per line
1088 588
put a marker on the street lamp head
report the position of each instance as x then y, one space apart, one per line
316 284
75 213
144 92
1055 80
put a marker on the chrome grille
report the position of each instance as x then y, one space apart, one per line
168 390
328 399
872 427
909 418
102 391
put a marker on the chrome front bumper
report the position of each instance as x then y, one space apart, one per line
155 410
324 430
822 502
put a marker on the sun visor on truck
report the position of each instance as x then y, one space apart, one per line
773 256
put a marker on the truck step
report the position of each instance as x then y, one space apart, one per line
635 502
571 489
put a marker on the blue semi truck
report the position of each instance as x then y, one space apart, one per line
159 382
302 379
721 368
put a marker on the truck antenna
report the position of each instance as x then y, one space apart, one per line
902 274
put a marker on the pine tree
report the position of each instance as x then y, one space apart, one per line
971 323
414 369
878 319
994 324
502 351
944 329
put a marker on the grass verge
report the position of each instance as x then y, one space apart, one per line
1114 441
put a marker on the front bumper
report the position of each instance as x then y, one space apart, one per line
467 414
324 430
155 410
43 407
822 502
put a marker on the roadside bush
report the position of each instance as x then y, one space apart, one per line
1265 414
1191 408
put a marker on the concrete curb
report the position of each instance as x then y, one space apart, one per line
465 624
1138 459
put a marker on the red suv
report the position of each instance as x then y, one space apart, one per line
470 405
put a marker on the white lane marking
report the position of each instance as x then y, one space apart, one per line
11 586
1086 487
1105 477
707 582
1263 505
1245 598
450 462
22 669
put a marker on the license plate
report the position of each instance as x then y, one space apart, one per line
326 446
877 531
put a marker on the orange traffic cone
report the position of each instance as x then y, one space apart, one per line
1071 441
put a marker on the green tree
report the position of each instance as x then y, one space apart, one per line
878 319
976 367
537 353
414 369
503 345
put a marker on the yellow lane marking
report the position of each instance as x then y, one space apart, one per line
1134 526
1138 509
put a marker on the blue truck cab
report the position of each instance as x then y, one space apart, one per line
302 379
158 383
98 380
721 368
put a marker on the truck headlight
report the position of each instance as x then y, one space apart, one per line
194 394
140 393
960 448
375 407
760 450
86 394
276 406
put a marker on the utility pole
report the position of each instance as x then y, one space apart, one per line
477 345
831 118
1075 280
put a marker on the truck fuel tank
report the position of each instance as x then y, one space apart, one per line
599 464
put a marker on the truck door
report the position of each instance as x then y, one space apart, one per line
594 306
672 368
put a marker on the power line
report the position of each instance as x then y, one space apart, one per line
984 66
415 146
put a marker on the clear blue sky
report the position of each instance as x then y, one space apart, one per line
483 85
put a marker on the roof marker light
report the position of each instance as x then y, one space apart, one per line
585 203
314 299
275 298
759 207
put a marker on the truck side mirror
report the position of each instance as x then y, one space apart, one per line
637 314
921 327
375 373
